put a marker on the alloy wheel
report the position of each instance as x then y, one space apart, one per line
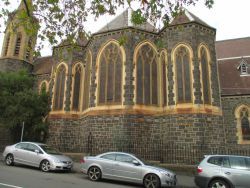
94 173
218 184
9 160
151 181
45 166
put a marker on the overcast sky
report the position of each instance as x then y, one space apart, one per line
229 17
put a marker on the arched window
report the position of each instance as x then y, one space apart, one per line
245 126
205 76
7 44
146 76
164 77
18 44
110 75
59 91
86 84
183 76
43 87
77 82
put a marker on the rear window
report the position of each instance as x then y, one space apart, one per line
238 163
217 160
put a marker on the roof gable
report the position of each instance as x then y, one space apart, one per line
124 21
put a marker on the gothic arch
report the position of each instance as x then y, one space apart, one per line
60 87
205 72
110 74
77 82
146 74
182 58
242 115
43 84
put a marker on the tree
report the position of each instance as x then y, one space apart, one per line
20 103
65 18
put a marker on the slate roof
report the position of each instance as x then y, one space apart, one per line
233 48
124 21
186 17
230 53
43 65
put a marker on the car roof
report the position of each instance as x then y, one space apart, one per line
220 155
37 143
115 152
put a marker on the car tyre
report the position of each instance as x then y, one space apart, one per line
94 173
151 181
9 160
218 183
45 166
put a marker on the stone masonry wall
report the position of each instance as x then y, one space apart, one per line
229 105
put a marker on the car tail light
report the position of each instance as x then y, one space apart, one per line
199 169
82 160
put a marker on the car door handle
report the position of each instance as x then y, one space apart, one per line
227 173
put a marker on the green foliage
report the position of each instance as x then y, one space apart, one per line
62 18
20 103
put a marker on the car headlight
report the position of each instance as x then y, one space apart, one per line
166 174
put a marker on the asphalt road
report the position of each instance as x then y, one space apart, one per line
28 177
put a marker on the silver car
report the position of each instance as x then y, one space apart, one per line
223 171
37 155
126 167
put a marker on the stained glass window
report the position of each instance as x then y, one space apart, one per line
205 77
110 75
146 76
59 88
77 87
245 126
182 63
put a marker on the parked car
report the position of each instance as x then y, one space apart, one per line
38 155
225 171
126 167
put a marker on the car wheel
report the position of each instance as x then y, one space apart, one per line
94 173
9 160
218 184
151 181
45 166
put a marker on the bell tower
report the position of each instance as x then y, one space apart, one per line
20 38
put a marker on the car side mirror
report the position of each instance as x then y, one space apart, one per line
136 163
37 151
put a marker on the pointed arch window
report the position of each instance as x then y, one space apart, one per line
205 76
110 75
86 85
18 44
146 76
43 87
77 82
164 78
183 76
7 44
59 91
245 125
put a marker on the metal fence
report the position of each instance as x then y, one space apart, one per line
164 152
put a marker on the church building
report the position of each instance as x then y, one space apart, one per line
132 85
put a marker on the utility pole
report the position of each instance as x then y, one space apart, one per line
22 132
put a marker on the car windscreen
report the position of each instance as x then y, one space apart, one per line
50 150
